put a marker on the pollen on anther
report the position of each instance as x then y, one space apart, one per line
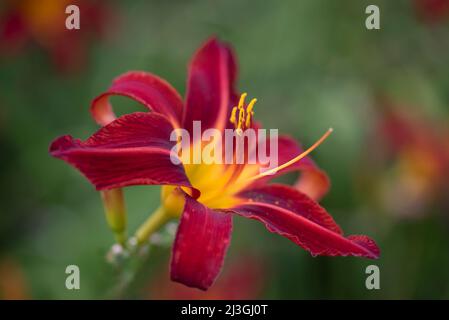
241 117
250 112
233 118
242 100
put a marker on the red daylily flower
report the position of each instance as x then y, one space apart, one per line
135 150
43 23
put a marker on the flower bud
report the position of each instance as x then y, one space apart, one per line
173 201
114 208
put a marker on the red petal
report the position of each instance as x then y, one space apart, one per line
295 216
151 91
132 150
210 84
200 246
313 181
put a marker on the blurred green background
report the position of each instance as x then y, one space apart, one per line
312 64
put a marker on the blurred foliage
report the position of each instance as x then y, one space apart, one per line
312 64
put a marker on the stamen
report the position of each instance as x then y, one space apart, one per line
250 107
248 121
296 159
233 118
249 112
241 120
242 100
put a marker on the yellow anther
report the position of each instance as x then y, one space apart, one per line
233 118
244 116
250 107
248 120
249 112
241 118
242 100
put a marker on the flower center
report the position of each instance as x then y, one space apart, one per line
220 183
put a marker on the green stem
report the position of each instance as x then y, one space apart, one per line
121 238
151 225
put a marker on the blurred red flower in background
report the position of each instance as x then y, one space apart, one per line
43 23
432 11
412 161
13 284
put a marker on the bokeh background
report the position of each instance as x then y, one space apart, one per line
312 64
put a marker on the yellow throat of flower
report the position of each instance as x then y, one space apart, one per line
219 183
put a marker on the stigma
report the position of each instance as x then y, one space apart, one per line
295 159
241 117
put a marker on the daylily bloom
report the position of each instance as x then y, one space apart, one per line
43 23
135 149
